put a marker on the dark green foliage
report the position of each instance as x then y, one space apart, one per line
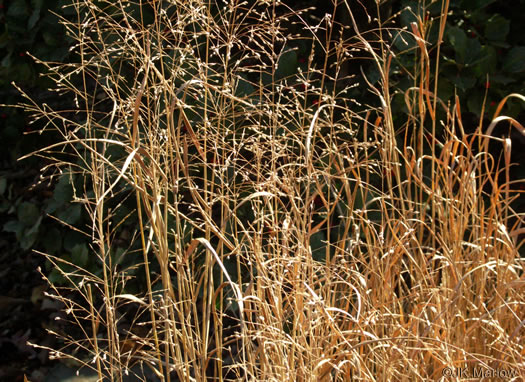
483 50
30 27
483 53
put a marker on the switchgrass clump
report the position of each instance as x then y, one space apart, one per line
285 229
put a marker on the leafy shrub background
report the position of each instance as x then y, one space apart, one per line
483 56
26 199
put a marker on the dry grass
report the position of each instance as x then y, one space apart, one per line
296 234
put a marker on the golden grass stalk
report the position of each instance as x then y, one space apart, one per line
287 232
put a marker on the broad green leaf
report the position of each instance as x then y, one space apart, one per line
71 214
266 78
29 236
287 64
35 227
464 81
497 28
52 206
501 79
6 61
489 62
373 75
445 89
472 52
14 226
409 13
17 8
3 185
404 40
318 245
56 277
474 102
28 239
243 88
80 255
118 255
63 192
35 16
28 213
458 40
514 61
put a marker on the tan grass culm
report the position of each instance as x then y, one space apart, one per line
286 231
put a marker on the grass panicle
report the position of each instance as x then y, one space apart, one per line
285 229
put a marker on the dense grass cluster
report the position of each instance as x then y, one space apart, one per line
287 230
